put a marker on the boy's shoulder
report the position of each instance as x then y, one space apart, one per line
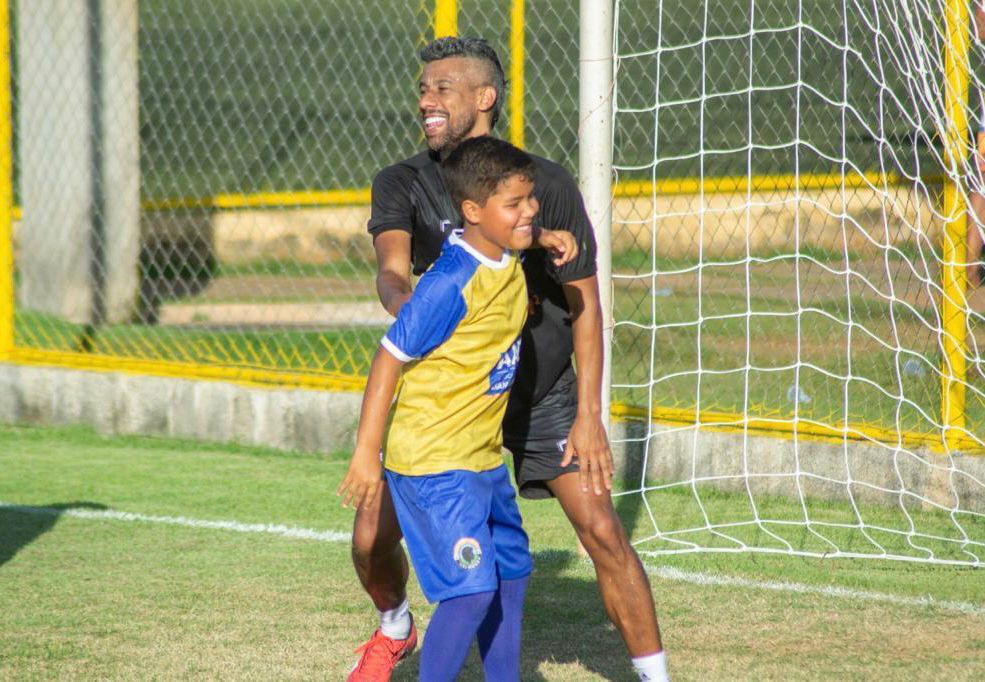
459 261
443 287
454 264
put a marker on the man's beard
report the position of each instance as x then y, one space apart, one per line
454 136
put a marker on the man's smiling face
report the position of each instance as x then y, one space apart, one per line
450 97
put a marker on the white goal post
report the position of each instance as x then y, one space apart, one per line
595 153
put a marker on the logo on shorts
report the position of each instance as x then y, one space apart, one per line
467 553
562 444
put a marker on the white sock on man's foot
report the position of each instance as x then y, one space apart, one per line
652 668
395 623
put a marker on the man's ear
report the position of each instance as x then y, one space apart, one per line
470 211
487 98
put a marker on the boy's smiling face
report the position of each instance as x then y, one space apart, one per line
505 220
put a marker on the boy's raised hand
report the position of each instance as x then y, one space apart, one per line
362 481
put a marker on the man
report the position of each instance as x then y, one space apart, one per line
553 424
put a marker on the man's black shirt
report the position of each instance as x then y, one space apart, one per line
411 196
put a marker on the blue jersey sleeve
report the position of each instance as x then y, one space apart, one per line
427 319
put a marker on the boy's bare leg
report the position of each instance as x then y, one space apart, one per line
622 581
377 555
381 565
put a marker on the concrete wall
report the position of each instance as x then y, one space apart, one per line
78 158
318 421
116 403
720 224
55 158
120 121
866 472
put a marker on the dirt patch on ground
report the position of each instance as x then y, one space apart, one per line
280 287
782 279
252 301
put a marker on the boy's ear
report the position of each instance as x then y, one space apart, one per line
470 211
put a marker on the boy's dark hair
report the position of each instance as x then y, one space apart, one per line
475 168
474 48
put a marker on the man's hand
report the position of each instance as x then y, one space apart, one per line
588 442
362 481
561 244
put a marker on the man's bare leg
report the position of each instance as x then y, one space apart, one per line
622 582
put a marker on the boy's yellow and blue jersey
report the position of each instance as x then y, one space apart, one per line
460 335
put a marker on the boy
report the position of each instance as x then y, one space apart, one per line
459 335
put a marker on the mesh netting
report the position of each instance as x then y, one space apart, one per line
779 269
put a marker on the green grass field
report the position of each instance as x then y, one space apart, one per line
107 598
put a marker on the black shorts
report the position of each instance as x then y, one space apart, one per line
536 437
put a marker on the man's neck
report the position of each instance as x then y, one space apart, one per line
481 128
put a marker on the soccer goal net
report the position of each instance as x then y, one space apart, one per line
792 305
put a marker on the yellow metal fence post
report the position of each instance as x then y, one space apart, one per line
517 58
953 273
6 190
445 18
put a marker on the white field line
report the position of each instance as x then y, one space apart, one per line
235 526
661 572
677 575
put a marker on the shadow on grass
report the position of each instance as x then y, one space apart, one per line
22 525
563 623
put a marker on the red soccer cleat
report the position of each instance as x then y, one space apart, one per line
380 656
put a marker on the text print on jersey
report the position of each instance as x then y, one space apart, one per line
501 378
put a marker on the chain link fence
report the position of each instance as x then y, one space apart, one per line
779 259
261 124
772 244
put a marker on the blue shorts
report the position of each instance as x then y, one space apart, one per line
462 529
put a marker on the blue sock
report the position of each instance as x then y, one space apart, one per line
449 636
499 634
